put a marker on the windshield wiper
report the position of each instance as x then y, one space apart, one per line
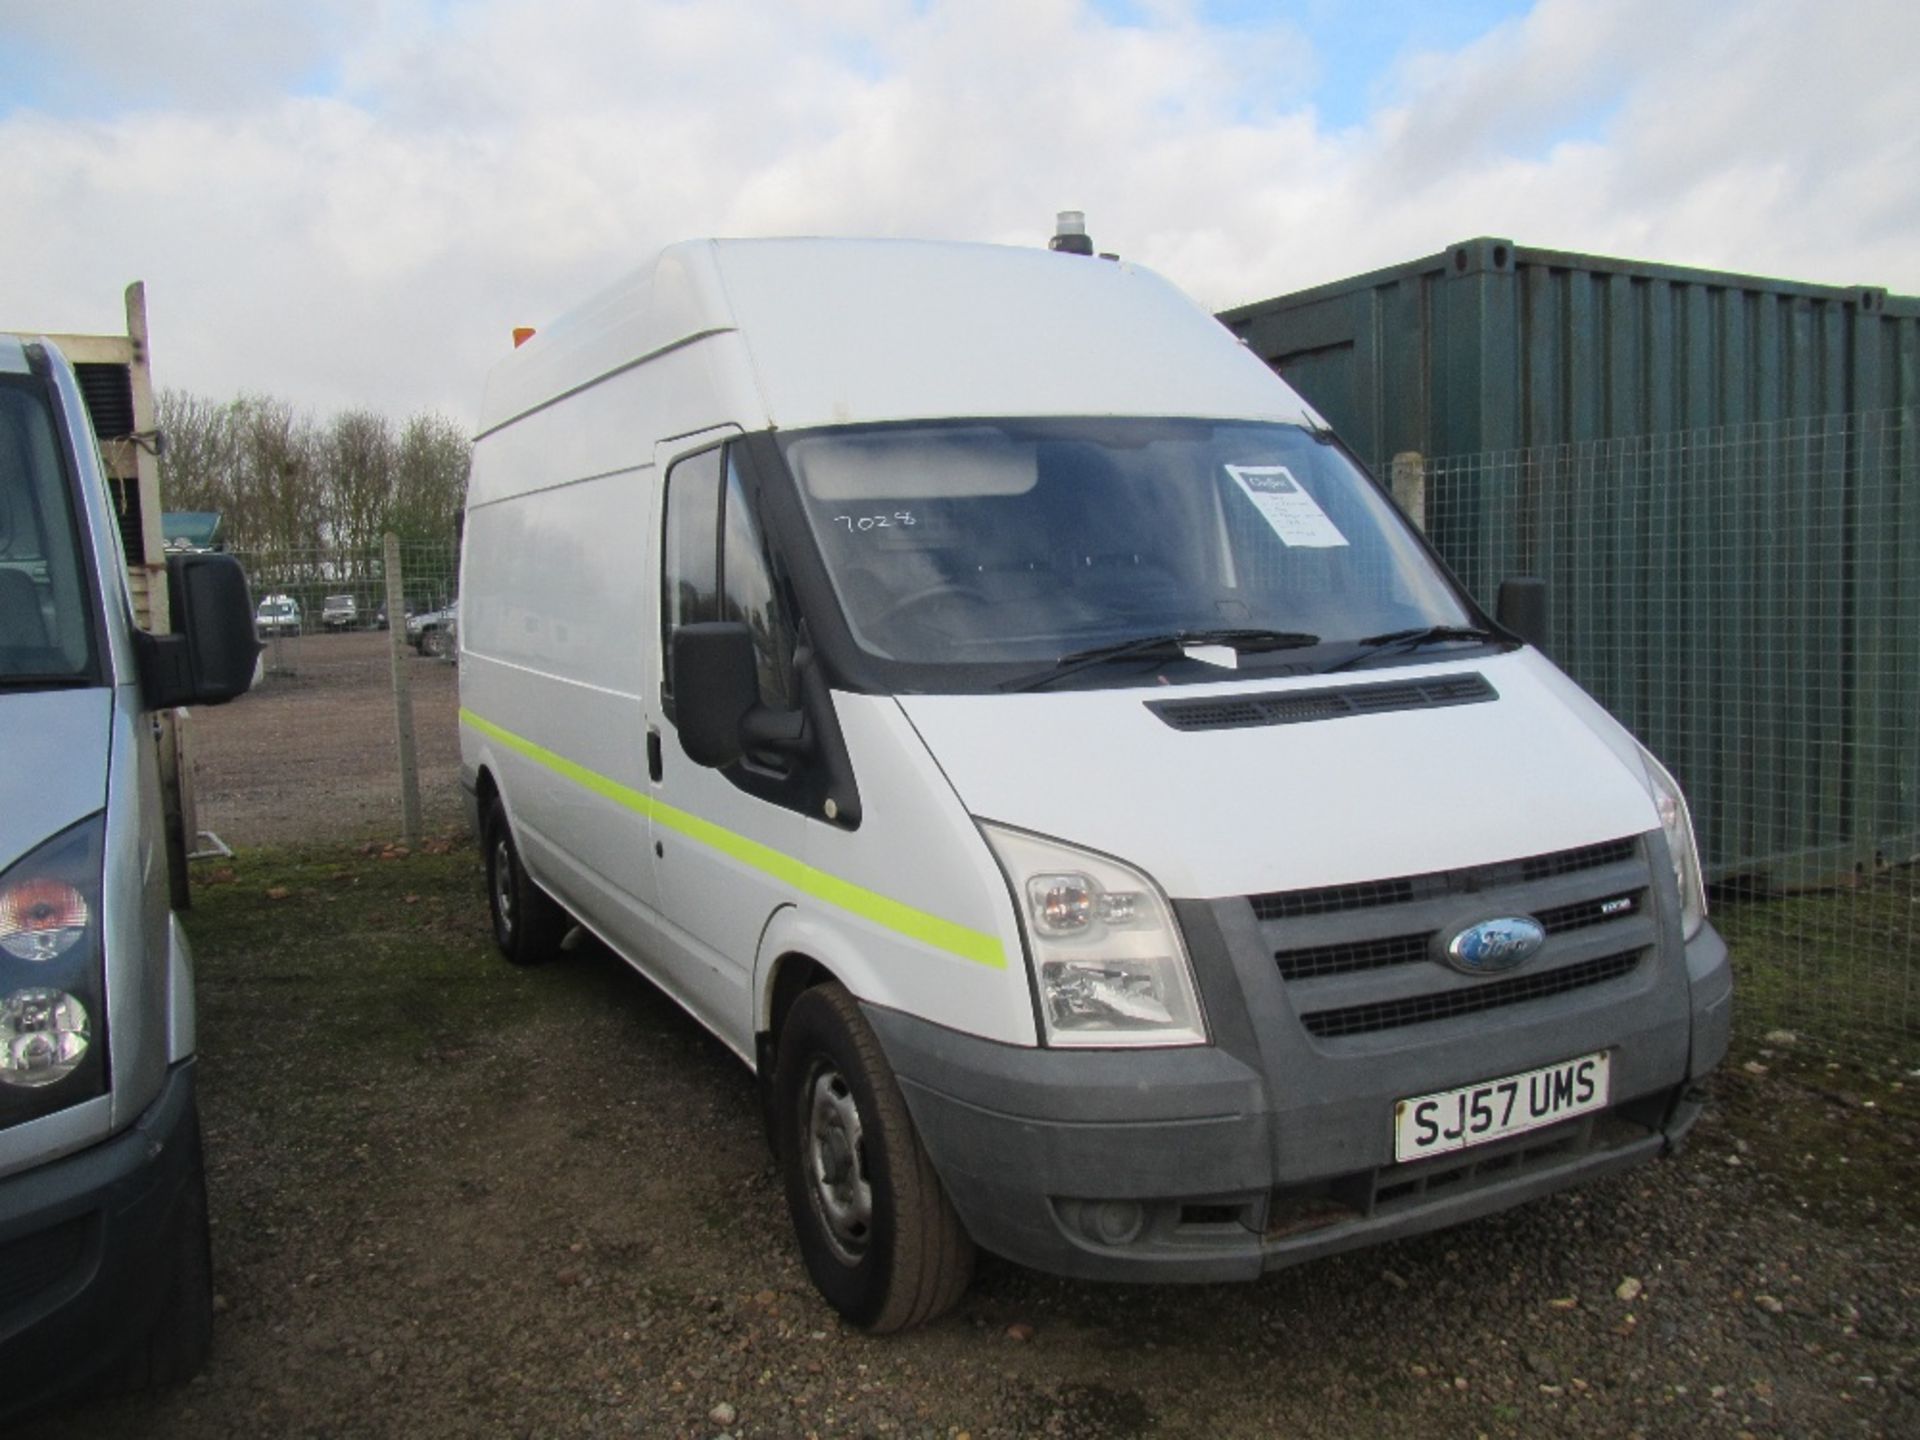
1394 641
1162 644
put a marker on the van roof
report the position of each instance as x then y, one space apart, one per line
832 331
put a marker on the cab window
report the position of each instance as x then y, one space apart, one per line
716 568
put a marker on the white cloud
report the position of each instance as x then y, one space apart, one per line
481 165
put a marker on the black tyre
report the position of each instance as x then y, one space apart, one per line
433 642
878 1234
527 923
176 1346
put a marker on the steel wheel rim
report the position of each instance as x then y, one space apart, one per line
833 1151
503 888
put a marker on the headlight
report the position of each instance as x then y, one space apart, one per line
1678 825
44 1037
52 976
1107 957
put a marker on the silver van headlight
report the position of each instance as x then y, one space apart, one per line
1677 822
52 980
1108 962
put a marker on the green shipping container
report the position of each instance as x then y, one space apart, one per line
1719 476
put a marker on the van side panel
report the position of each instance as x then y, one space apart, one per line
613 423
673 299
560 642
135 914
553 619
917 847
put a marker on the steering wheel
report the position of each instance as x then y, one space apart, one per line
927 595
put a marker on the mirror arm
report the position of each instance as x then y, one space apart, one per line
785 732
165 667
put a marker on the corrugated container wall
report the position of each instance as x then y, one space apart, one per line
1718 475
1491 346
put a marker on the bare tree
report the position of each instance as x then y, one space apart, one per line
278 490
431 478
359 466
201 467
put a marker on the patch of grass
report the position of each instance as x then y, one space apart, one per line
1843 966
392 948
1841 1138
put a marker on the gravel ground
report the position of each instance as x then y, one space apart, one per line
452 1198
312 753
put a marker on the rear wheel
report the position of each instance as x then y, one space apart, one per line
527 923
878 1234
433 642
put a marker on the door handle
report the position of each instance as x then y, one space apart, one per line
655 765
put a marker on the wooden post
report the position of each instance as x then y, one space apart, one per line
402 692
152 564
1410 486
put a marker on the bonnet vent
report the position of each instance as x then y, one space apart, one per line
1297 707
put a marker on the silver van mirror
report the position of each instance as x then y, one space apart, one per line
209 657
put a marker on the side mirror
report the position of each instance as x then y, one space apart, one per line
716 697
209 658
1522 609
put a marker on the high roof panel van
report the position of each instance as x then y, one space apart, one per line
995 706
104 1260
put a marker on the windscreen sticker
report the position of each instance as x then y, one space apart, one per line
1285 505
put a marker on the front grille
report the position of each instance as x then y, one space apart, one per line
1586 857
1564 919
1351 956
1299 707
37 1262
1448 1004
1346 958
1367 895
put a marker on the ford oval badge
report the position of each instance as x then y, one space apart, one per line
1495 945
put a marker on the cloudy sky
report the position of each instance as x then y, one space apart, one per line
352 202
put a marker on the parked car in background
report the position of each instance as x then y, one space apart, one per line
434 632
340 612
278 615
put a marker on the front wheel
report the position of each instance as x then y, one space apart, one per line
527 923
878 1234
433 643
175 1347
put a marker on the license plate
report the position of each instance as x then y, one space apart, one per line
1474 1114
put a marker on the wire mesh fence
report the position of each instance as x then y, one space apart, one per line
1747 601
314 751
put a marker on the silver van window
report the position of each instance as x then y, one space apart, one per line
45 622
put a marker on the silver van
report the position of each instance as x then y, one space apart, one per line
104 1265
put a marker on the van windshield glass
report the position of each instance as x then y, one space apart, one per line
44 621
1011 542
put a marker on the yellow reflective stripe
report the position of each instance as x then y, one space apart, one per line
882 910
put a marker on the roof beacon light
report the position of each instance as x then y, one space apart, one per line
521 334
1070 236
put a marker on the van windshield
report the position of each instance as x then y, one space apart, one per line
1010 542
45 626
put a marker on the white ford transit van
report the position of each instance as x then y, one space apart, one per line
991 702
104 1261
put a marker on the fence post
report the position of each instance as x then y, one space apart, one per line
1410 486
402 692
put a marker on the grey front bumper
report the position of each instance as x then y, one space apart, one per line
1207 1164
